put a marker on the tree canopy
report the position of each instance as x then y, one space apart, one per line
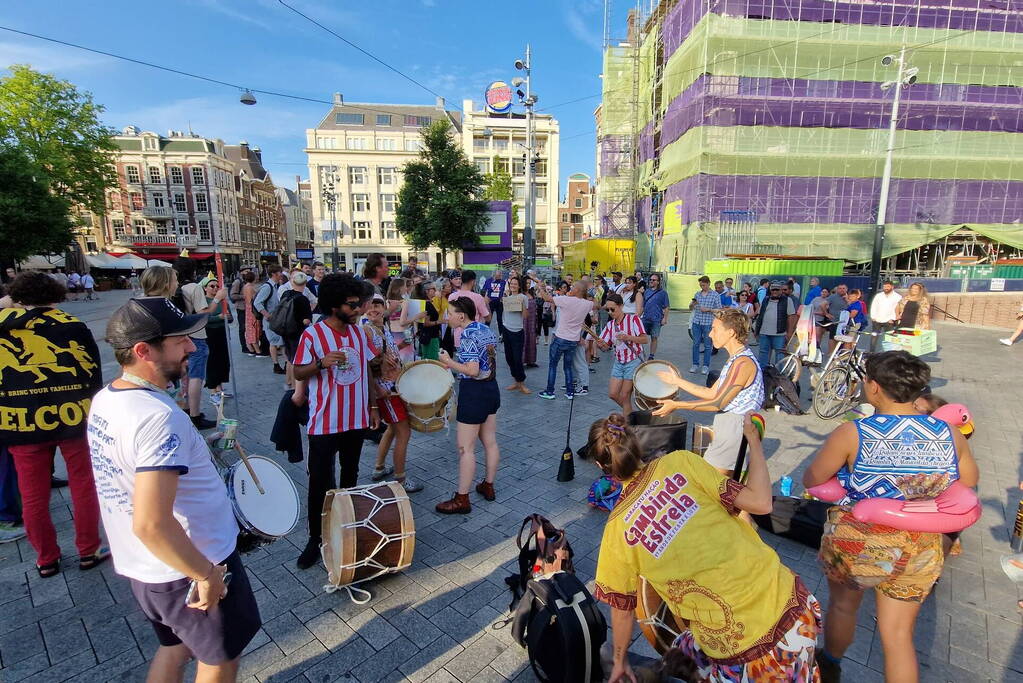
57 127
498 186
441 202
33 220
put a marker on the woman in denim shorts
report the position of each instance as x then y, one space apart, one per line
625 332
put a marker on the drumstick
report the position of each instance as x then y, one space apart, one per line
590 332
252 472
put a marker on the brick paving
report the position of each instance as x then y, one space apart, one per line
439 620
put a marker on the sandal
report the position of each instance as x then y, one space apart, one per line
92 561
48 570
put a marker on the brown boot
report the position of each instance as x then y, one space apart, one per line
458 505
486 489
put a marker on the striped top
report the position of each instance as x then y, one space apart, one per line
339 395
625 352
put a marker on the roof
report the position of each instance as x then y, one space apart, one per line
244 159
398 112
175 144
288 197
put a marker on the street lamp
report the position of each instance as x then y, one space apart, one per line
906 75
330 196
529 100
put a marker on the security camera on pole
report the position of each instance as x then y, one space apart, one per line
528 99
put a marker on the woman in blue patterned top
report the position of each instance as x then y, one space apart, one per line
478 401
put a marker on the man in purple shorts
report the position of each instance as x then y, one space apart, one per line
164 506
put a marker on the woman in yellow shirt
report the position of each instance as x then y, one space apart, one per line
748 616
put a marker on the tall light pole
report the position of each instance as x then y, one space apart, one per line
529 100
906 75
330 195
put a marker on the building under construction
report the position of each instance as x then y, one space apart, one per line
762 126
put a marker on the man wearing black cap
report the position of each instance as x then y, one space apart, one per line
774 324
164 506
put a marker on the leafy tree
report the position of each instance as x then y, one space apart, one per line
33 220
58 127
498 187
441 202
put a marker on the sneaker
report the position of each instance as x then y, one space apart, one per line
310 555
593 369
1006 341
650 357
248 353
11 531
569 396
692 368
278 370
410 485
215 399
226 394
582 392
704 370
380 474
549 395
201 423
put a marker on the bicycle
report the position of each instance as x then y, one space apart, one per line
839 386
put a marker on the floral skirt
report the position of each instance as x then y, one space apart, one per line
792 658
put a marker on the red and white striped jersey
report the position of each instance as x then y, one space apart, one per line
625 352
338 395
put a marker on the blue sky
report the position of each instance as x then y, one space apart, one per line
454 47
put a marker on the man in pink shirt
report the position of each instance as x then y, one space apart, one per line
466 290
573 309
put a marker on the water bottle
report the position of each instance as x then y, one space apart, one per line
786 485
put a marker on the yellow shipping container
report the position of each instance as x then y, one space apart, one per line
610 254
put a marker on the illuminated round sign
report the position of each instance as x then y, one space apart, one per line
499 97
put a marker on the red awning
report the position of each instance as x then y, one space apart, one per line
172 257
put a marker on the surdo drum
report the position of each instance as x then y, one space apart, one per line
425 386
263 517
658 623
649 388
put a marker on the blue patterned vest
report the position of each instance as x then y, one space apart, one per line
900 454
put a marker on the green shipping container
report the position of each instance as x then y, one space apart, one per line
972 272
822 267
1009 272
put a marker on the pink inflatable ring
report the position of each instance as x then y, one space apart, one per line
955 509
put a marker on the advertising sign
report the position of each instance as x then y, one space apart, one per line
498 97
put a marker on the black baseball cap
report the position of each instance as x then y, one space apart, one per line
148 318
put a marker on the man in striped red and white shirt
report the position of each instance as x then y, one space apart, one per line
334 355
625 332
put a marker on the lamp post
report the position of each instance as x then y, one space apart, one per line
904 76
330 195
529 100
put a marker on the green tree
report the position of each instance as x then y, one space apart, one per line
441 202
58 127
499 187
33 220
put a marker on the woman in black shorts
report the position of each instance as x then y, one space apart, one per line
478 401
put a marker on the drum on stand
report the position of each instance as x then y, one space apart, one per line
425 386
649 388
263 517
659 625
368 531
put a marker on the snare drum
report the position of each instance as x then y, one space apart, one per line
657 622
265 516
649 388
426 387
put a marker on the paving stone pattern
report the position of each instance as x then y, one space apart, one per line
441 619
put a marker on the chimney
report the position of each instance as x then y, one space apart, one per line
339 100
258 153
440 102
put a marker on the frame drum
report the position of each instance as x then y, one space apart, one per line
649 388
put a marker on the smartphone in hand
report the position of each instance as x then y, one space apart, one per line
193 589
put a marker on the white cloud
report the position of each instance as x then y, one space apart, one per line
49 58
584 21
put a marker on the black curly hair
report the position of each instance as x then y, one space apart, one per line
337 288
32 288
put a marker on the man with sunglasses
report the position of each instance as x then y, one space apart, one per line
774 324
655 310
333 357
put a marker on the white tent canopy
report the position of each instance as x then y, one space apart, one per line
103 261
42 263
132 262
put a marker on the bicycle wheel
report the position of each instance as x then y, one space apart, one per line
791 367
832 397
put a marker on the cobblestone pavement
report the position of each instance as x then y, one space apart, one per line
436 621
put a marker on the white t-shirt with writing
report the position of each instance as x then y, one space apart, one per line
140 430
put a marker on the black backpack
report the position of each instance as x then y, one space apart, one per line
282 319
559 624
781 391
178 299
799 519
544 550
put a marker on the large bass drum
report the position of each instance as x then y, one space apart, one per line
425 386
658 623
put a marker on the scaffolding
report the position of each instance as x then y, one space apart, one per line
723 110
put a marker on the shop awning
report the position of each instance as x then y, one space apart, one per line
42 263
172 257
104 260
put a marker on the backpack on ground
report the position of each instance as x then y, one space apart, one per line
282 320
781 391
544 550
559 624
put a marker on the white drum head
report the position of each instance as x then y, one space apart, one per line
423 383
273 513
649 384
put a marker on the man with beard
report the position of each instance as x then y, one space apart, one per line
164 506
333 356
774 324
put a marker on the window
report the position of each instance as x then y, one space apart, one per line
179 202
198 175
385 175
517 236
417 121
482 164
502 165
326 143
566 234
349 119
383 119
201 203
390 232
357 175
158 202
386 144
540 168
500 144
183 228
540 193
362 230
360 202
139 226
204 230
519 192
413 145
564 218
356 143
136 201
518 166
479 143
576 218
132 174
154 175
152 143
578 203
161 229
387 202
118 225
541 236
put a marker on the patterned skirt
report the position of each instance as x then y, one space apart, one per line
792 658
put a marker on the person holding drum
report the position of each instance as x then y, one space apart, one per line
738 391
478 401
624 331
748 617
